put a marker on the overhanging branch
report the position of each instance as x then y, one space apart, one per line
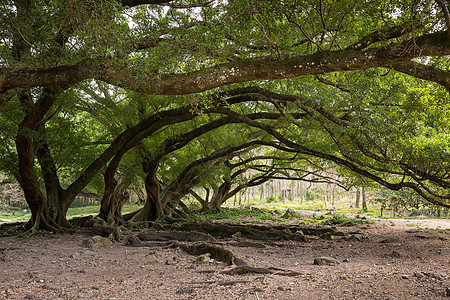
116 72
425 72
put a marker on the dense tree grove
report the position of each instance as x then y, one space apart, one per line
220 94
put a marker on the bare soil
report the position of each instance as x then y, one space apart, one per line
59 267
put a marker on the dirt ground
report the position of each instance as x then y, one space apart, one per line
59 267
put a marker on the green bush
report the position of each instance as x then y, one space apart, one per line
271 199
341 219
309 195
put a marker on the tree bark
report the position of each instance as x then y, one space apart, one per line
108 202
114 197
364 202
153 209
40 215
203 203
112 71
54 191
357 198
28 179
221 195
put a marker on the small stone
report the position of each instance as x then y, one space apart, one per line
280 288
153 262
419 275
172 261
204 258
389 240
300 236
346 260
435 276
424 237
326 261
393 254
95 242
185 291
95 288
447 292
30 296
237 236
405 276
327 236
356 237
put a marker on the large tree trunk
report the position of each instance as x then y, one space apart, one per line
364 202
108 200
40 215
221 195
203 203
34 114
153 209
53 189
357 198
120 197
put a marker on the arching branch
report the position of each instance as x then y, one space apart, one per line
115 71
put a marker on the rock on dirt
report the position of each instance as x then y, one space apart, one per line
96 242
326 261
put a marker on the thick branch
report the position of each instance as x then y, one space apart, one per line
113 72
132 3
446 14
379 36
338 160
425 72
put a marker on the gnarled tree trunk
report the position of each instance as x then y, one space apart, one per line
40 215
53 189
112 202
153 209
221 195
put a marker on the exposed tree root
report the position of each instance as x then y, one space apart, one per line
198 248
101 228
135 242
217 252
223 283
167 240
240 270
86 221
255 232
247 244
192 236
232 282
321 230
11 228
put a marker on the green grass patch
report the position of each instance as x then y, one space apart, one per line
336 219
235 214
11 213
341 219
94 209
